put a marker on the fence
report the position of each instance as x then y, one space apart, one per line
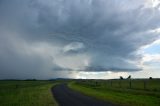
143 84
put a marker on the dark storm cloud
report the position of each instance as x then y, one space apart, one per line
109 32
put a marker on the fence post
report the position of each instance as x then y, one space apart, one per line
96 83
130 84
120 83
144 84
111 83
16 85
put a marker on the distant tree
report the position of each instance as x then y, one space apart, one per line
30 80
150 78
121 77
129 77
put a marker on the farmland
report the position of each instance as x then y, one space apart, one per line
26 93
139 92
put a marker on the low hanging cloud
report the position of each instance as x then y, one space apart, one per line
42 39
74 47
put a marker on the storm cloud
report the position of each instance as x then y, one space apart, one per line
44 38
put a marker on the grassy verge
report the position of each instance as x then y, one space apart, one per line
26 93
117 97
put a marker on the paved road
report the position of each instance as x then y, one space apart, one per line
67 97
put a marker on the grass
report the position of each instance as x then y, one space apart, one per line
138 84
26 93
121 96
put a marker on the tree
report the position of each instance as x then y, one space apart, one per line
129 77
121 77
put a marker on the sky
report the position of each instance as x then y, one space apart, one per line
100 39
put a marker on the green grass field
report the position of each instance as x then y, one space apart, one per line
26 93
140 93
122 92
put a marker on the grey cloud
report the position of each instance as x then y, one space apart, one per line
101 69
58 68
110 32
74 48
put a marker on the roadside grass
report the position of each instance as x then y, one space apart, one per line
26 93
137 84
119 96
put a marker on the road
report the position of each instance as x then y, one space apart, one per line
67 97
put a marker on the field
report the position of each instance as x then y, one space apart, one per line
26 93
135 92
138 92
